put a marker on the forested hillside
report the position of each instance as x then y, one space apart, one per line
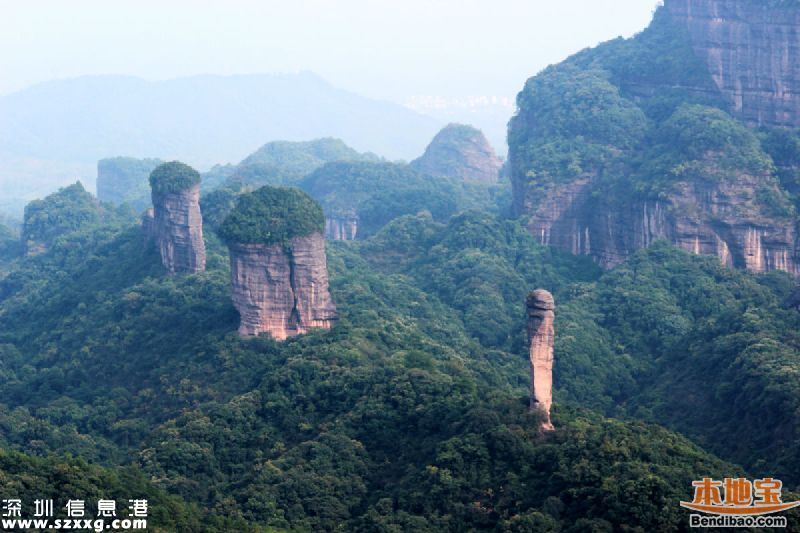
662 221
411 412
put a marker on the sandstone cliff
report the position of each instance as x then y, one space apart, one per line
751 50
461 152
723 219
279 272
177 224
341 226
282 291
541 333
655 157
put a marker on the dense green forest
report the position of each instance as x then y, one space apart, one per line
272 215
379 192
411 413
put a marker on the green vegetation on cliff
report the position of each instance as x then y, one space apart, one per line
173 177
272 215
637 117
571 121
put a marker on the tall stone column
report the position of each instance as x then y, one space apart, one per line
279 271
541 314
177 224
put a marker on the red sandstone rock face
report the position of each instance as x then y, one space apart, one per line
178 230
724 219
752 52
283 292
541 333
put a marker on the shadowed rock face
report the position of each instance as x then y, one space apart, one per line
462 152
540 307
752 55
178 230
723 219
282 291
341 227
149 225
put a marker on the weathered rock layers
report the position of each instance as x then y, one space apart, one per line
462 152
541 315
279 271
341 226
177 224
751 50
724 219
282 291
715 205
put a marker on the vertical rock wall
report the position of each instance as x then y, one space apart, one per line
178 230
752 52
541 315
341 227
281 290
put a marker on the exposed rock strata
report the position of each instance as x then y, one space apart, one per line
541 315
178 230
282 291
723 219
341 227
752 52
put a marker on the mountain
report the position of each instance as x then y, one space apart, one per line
125 180
410 413
462 152
651 139
287 163
655 219
56 131
360 197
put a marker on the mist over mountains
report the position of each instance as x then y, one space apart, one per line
55 132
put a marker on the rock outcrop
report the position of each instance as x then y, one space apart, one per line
177 225
341 226
724 219
541 315
282 291
655 157
752 51
462 152
279 272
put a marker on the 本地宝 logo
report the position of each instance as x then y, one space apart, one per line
738 502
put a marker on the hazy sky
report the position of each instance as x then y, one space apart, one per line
384 49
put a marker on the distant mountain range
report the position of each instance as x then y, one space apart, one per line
55 132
